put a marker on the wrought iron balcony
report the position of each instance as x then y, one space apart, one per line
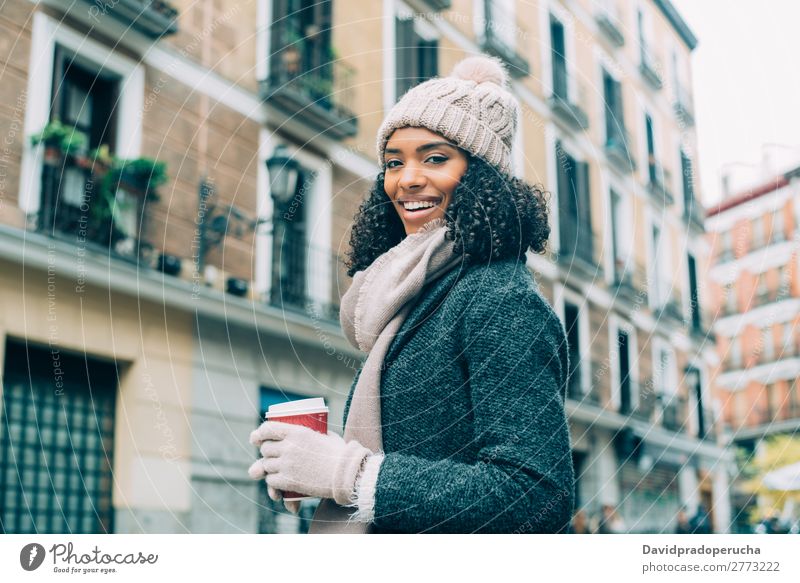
617 147
297 270
570 105
630 280
608 20
650 68
673 416
494 44
579 247
683 106
307 83
658 183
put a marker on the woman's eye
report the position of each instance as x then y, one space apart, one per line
390 163
437 159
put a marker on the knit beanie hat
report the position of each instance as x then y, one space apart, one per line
472 107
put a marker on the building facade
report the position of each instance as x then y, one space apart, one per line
225 278
756 295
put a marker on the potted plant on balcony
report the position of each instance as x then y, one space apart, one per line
59 140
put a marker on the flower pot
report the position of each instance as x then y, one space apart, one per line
236 287
169 264
52 156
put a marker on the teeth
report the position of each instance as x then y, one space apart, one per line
410 206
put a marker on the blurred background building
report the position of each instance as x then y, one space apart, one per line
178 183
756 295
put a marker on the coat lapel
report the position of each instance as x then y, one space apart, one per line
429 298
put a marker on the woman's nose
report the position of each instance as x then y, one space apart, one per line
412 178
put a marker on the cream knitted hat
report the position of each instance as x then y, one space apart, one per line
472 107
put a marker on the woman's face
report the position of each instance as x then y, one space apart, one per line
422 171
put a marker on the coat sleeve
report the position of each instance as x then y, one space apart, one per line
516 356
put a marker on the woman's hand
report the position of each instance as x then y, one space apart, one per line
299 459
292 506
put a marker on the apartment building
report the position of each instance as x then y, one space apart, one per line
215 293
756 294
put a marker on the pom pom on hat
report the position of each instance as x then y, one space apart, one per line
481 70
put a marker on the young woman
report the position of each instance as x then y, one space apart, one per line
455 422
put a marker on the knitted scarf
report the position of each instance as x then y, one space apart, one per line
371 313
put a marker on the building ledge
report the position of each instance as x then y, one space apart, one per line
34 251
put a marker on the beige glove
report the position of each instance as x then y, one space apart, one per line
299 459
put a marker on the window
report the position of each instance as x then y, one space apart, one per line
615 122
652 164
618 222
84 97
558 50
735 351
758 232
56 443
788 348
626 398
572 327
416 54
664 377
689 203
694 297
777 234
574 201
661 267
768 345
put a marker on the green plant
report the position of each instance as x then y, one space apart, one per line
64 137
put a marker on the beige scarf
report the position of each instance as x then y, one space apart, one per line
371 313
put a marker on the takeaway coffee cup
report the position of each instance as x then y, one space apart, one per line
310 413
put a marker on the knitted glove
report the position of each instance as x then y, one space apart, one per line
299 459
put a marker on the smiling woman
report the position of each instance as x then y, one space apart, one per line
455 422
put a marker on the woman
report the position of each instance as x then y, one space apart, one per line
456 421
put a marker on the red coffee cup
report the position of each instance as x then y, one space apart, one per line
311 413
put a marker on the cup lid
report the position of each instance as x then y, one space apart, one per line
316 404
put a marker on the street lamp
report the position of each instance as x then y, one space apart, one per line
283 172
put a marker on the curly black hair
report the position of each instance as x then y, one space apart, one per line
491 216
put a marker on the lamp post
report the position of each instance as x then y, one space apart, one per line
284 173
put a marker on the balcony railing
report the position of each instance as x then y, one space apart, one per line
153 18
494 43
650 68
673 416
617 147
568 103
659 180
439 5
307 83
579 247
298 270
630 280
647 401
670 310
76 207
608 19
575 386
693 214
683 105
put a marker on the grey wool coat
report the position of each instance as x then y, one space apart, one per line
472 410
